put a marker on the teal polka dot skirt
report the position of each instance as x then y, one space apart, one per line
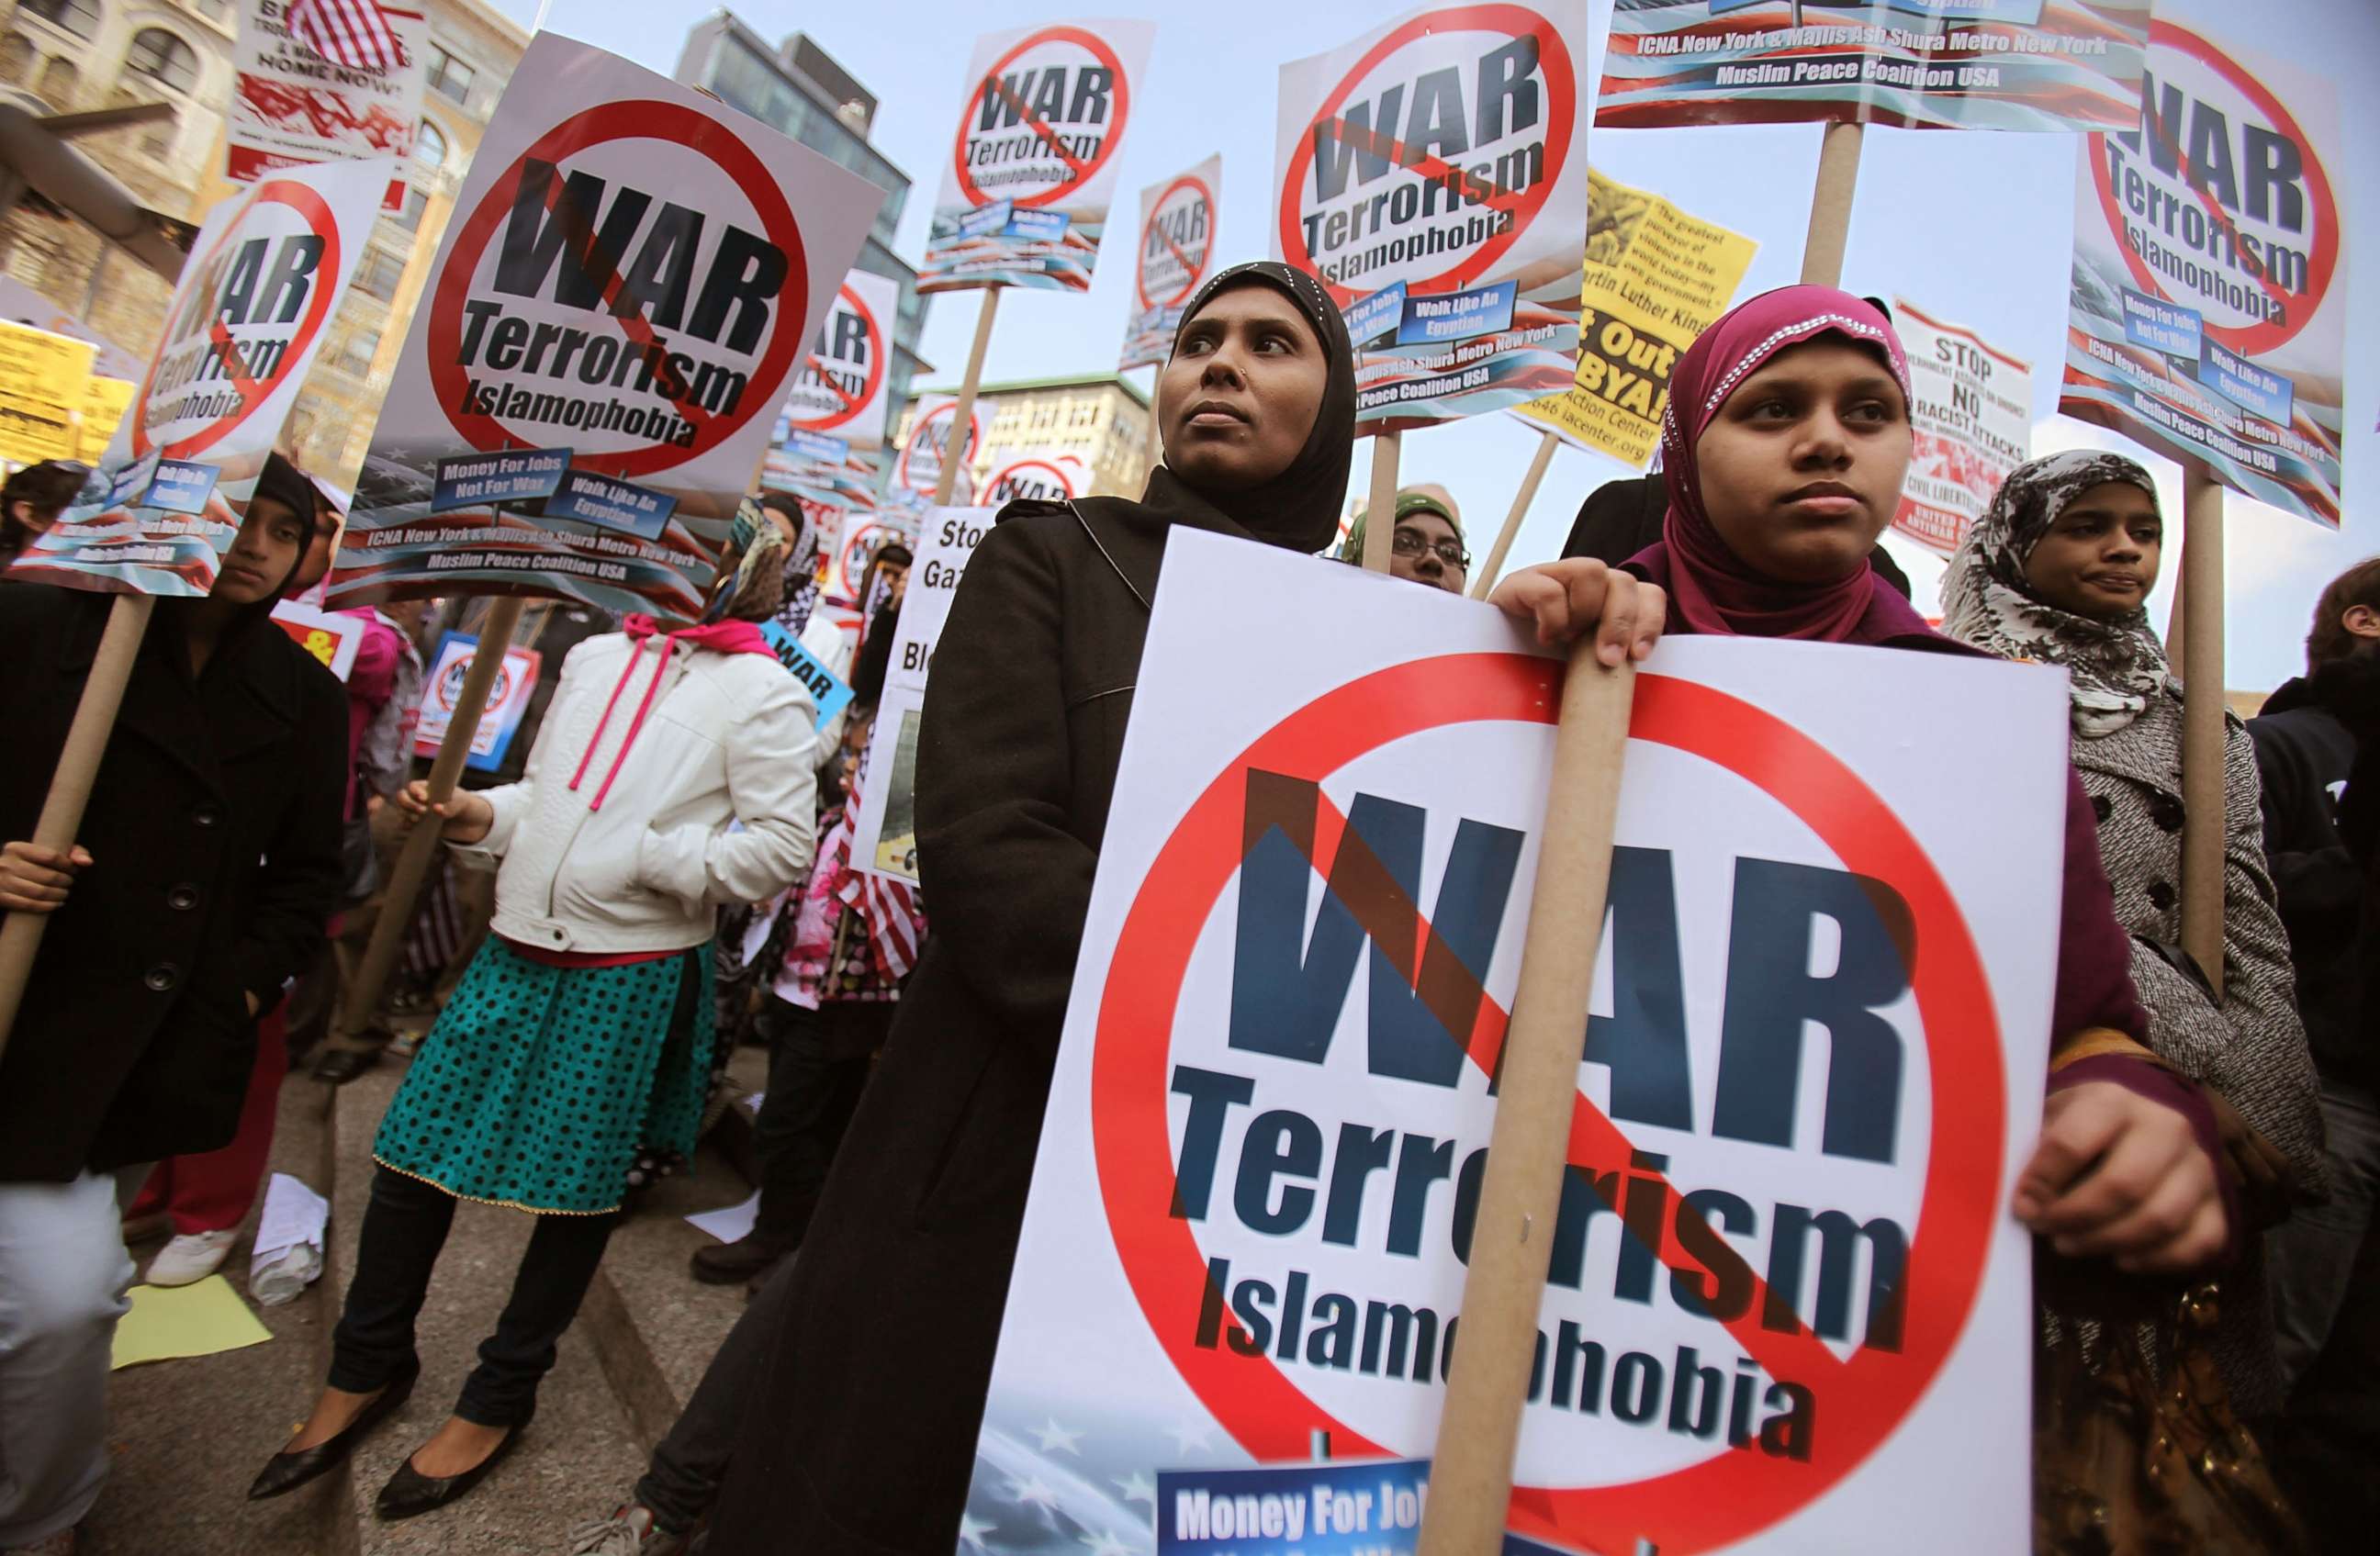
538 1084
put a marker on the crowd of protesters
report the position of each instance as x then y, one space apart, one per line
662 868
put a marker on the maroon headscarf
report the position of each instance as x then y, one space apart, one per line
1711 590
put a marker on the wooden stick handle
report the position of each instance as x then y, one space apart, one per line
421 848
1512 1242
955 451
2203 793
1521 500
1830 205
69 794
1380 507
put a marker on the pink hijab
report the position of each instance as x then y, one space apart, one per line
1710 589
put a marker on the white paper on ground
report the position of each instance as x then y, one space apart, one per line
729 1224
293 1215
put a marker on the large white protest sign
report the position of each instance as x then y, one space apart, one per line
291 107
2209 307
1970 425
634 273
1175 254
1788 1310
843 390
1433 174
1043 474
266 271
1033 166
885 840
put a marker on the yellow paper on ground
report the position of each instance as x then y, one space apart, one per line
1655 278
41 379
103 400
186 1320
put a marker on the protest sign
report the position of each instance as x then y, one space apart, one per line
918 470
864 532
2025 65
1971 424
266 273
43 377
103 402
19 304
328 635
826 690
290 107
631 279
1033 167
843 392
885 840
1433 174
500 720
2209 307
1176 252
1785 1285
1040 474
1654 279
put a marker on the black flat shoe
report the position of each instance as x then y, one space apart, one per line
286 1472
410 1493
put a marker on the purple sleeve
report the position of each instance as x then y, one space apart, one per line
2094 954
2145 1078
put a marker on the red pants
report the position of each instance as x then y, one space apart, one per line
212 1192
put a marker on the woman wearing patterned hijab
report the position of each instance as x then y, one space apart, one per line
2059 570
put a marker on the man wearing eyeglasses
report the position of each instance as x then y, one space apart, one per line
1427 545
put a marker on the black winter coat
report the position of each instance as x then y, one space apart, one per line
214 829
860 1438
2304 753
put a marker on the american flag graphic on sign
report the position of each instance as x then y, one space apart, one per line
349 32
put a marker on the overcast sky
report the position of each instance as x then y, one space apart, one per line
1974 227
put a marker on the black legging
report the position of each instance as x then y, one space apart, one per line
404 1228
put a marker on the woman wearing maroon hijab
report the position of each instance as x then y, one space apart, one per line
1784 446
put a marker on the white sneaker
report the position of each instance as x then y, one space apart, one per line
192 1258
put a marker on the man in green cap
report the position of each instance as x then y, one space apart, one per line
1427 545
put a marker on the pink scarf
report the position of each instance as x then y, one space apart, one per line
720 637
1710 589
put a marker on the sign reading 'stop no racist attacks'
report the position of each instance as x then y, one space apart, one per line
633 276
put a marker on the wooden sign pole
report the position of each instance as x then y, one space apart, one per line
2203 793
62 808
955 451
1521 500
1830 205
1380 507
361 999
1512 1242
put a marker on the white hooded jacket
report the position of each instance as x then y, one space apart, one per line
618 837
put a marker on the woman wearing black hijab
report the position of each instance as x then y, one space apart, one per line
861 1434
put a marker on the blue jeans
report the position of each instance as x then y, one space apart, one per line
2324 1265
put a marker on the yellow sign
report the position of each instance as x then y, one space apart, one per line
103 400
1654 279
41 379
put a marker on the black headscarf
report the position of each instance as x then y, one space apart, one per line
1298 508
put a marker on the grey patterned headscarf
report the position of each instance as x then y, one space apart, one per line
2115 665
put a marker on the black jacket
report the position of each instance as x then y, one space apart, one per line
213 829
1620 518
861 1434
2305 752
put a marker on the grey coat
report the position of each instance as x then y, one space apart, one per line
2252 1048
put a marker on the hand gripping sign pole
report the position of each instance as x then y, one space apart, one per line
955 451
2200 649
62 808
1521 500
1511 1244
421 845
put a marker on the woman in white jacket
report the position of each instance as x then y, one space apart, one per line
673 773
